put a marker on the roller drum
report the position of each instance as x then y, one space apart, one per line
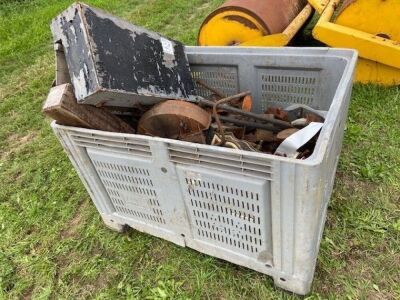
238 21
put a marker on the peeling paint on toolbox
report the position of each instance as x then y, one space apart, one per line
115 63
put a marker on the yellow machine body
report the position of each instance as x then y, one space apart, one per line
369 26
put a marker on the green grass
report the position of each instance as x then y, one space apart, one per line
53 243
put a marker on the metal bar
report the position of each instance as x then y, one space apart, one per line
216 116
232 120
258 117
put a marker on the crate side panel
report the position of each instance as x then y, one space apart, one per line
129 184
282 87
222 78
231 212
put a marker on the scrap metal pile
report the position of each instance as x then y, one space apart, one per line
228 122
115 76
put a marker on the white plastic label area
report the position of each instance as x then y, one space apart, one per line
289 147
167 46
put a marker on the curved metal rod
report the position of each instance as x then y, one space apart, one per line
235 121
210 88
216 116
258 117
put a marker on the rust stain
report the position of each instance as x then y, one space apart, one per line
273 15
174 119
241 20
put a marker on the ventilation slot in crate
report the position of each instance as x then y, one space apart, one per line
223 79
131 190
226 162
137 147
226 215
288 87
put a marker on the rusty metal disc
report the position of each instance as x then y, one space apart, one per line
174 119
237 20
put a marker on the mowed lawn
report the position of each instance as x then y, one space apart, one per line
54 245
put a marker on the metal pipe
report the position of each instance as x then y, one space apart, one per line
235 121
258 117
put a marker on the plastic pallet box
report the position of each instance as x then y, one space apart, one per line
260 211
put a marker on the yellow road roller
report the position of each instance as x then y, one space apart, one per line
370 26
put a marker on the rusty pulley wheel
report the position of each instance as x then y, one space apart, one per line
174 119
238 21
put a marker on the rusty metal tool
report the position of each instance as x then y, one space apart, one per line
247 101
216 115
210 88
278 113
254 116
250 124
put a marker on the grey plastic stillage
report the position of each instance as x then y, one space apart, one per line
260 211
